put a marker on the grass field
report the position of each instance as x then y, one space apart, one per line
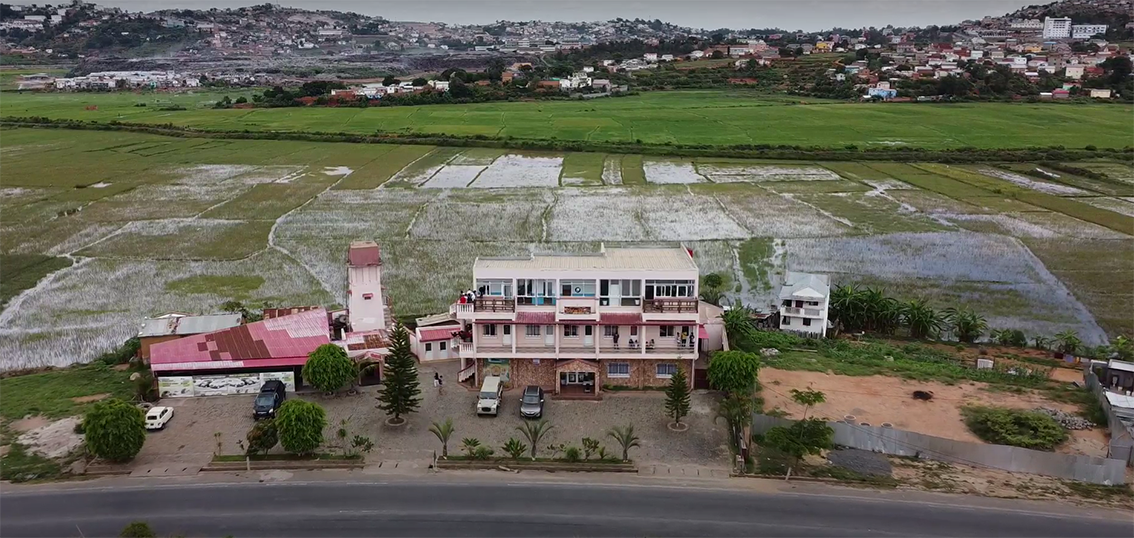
160 224
683 117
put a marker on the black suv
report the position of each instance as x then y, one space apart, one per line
271 396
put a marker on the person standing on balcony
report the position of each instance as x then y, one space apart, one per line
615 337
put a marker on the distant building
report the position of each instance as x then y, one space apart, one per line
1056 27
1097 93
1087 31
804 300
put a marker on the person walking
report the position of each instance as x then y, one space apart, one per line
440 383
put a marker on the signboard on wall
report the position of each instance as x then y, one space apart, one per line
220 385
499 367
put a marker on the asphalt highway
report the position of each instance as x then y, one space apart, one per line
501 509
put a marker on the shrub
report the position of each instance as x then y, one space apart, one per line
1014 427
138 529
328 368
515 448
262 437
470 445
572 454
300 425
115 430
483 452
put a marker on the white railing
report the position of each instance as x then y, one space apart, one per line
814 312
465 349
465 374
461 308
793 311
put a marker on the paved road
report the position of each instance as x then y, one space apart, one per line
424 508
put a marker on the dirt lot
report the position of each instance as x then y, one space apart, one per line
879 399
189 437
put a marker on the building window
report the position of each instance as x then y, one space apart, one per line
633 330
667 331
608 331
576 288
489 330
617 369
571 331
442 346
428 347
786 321
531 330
669 288
807 322
367 296
666 370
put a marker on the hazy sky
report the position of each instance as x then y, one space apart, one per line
787 14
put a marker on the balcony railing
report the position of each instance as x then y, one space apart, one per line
803 312
494 304
467 373
670 306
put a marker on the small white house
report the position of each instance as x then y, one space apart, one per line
434 338
804 299
1097 93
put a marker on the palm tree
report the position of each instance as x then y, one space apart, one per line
846 306
966 325
1042 342
534 432
624 436
443 431
876 308
1069 342
738 322
921 320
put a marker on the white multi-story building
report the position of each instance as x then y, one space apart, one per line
1056 27
574 323
804 299
1087 31
367 306
1026 24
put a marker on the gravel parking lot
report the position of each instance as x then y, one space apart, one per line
189 437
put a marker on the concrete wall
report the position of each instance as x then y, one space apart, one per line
1008 458
1121 444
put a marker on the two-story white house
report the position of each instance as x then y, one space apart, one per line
574 323
804 301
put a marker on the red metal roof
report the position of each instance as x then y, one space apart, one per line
282 341
441 333
535 318
620 318
270 313
363 253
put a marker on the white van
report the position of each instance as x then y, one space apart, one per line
491 393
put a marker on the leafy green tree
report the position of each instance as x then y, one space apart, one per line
114 430
138 529
624 436
443 431
401 391
803 437
713 281
390 80
1123 347
736 410
1041 342
734 372
328 368
262 437
419 81
300 425
966 324
534 432
807 398
515 448
677 397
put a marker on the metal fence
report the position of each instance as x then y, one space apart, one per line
1121 444
1008 458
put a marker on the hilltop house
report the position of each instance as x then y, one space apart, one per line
804 300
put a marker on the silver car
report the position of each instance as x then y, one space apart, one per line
531 404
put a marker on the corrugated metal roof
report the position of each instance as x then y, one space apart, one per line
443 333
289 338
363 253
799 284
627 259
186 325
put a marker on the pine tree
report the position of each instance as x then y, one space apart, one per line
401 391
677 397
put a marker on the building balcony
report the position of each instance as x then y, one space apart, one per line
666 348
669 310
502 308
813 313
577 309
465 350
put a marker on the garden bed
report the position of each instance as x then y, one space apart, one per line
539 464
237 462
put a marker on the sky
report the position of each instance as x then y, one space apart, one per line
808 15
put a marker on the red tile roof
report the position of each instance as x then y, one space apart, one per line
363 253
441 333
282 341
620 318
535 318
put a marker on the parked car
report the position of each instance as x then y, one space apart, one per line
491 394
531 404
270 398
158 417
